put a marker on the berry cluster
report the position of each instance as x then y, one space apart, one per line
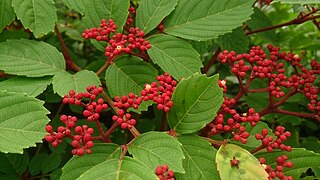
278 171
81 135
256 64
233 122
122 118
119 43
131 15
159 93
269 143
162 93
164 173
101 33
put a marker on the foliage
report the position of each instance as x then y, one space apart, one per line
159 89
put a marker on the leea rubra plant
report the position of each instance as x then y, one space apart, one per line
159 89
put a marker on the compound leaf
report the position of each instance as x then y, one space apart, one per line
129 74
77 165
127 168
6 13
301 158
30 86
203 20
196 101
22 122
200 159
106 9
151 12
63 82
175 56
37 15
248 168
77 5
157 148
30 58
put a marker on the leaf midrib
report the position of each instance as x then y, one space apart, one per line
216 14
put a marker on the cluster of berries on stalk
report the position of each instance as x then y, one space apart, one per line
234 121
270 143
81 135
278 171
164 173
256 64
119 43
160 93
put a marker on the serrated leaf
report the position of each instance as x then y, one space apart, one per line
151 12
235 41
22 122
30 58
39 16
63 82
196 101
301 158
77 5
248 168
129 74
13 163
6 13
30 86
77 166
115 169
175 56
52 163
200 159
202 20
157 148
260 20
106 9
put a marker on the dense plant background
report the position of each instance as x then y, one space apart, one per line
189 52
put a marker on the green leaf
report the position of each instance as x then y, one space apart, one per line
13 163
77 5
13 34
129 74
196 101
77 165
106 9
30 58
36 163
115 169
30 86
260 20
301 158
52 162
199 162
175 56
298 1
157 148
202 20
38 16
6 13
22 122
236 41
151 12
249 167
142 107
64 82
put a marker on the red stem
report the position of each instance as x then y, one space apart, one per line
211 61
70 64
